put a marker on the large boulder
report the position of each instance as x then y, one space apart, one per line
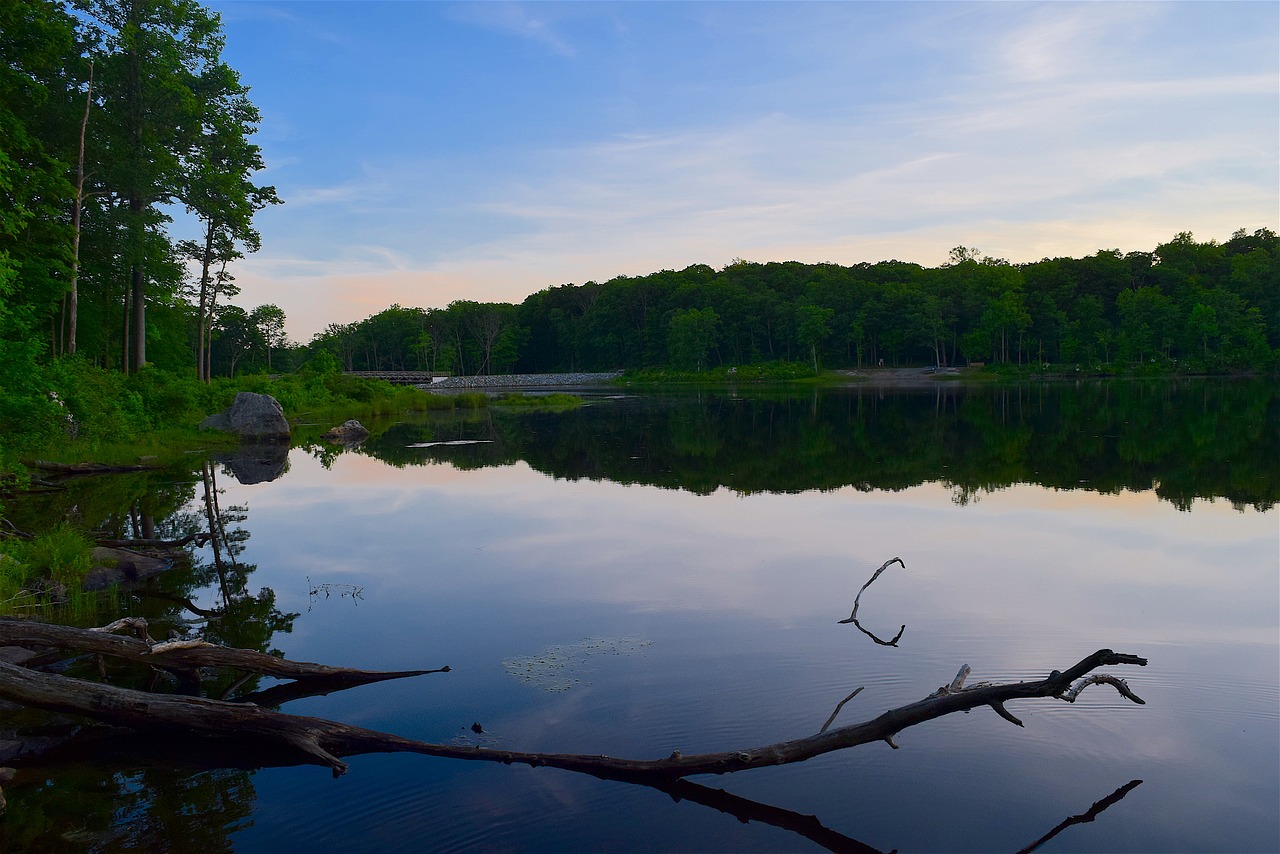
120 566
348 432
252 416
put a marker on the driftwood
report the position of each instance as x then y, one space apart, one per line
853 618
185 655
145 543
324 742
88 468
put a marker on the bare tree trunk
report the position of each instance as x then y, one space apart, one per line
74 306
204 310
208 322
139 316
124 334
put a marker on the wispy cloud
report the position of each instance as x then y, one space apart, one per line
525 21
696 133
1068 40
275 13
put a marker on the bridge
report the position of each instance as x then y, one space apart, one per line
489 381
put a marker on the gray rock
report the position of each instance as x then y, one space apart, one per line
347 432
126 566
252 416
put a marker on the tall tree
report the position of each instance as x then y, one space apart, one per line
37 48
150 54
218 186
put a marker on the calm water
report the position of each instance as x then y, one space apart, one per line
660 571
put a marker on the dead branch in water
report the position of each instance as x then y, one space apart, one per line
853 618
1092 813
185 656
88 468
324 742
840 706
152 543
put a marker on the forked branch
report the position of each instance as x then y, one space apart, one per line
324 742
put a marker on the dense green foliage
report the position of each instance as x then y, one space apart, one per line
115 115
1189 306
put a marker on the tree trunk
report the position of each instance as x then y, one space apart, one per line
74 297
203 310
139 316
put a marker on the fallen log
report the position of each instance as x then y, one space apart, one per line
88 468
151 543
324 742
187 655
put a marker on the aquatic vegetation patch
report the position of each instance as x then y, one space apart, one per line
560 667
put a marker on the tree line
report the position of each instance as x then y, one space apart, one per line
1204 306
128 191
116 117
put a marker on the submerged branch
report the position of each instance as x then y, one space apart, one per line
853 618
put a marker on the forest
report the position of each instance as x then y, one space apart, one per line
1189 306
128 177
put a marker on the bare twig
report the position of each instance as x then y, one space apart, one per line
840 706
853 618
1101 679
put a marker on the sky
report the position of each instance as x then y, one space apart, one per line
430 151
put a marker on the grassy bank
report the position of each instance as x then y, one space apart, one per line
801 373
90 415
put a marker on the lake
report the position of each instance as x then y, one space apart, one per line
666 570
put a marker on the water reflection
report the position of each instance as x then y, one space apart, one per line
1184 440
252 463
857 600
726 533
93 788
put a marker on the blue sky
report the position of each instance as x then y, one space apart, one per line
428 152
